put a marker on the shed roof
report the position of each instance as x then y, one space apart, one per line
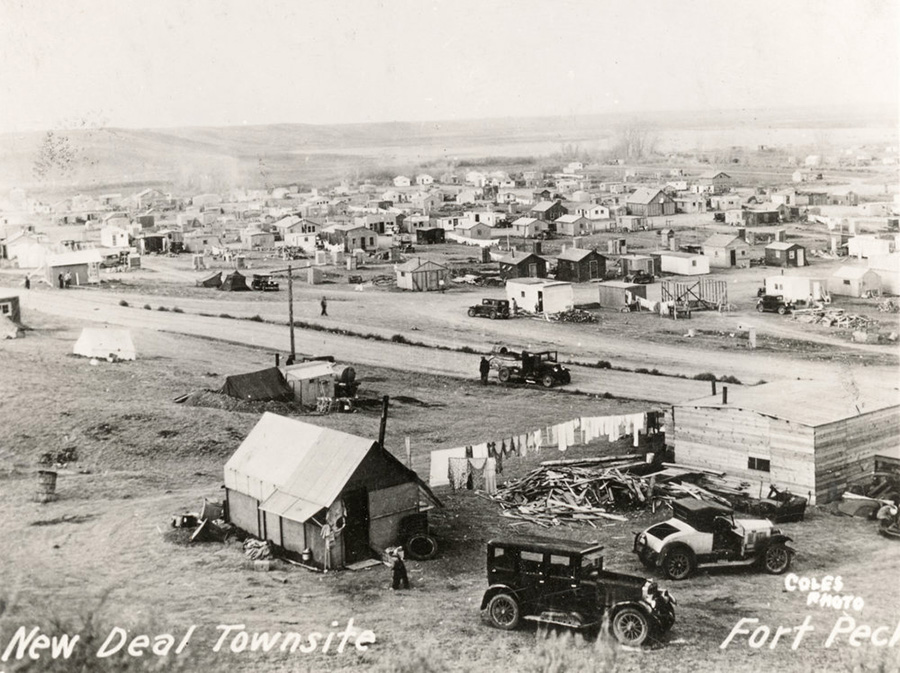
852 272
644 195
91 256
575 254
811 403
782 245
723 240
536 281
568 219
417 264
518 259
543 206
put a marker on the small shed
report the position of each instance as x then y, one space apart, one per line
573 225
812 437
82 265
421 275
781 253
310 380
854 281
727 251
580 266
9 306
650 203
541 296
618 294
683 263
634 263
797 288
306 488
522 265
528 227
888 269
430 236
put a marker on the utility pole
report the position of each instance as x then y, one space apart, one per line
291 311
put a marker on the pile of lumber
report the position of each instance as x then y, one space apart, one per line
573 315
834 317
594 489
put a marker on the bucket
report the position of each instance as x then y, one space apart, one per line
306 556
46 490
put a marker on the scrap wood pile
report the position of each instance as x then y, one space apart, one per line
834 317
592 489
573 315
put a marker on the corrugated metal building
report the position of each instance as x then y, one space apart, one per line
289 479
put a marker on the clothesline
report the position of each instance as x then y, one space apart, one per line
561 436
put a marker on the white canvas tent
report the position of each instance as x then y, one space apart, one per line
8 329
105 344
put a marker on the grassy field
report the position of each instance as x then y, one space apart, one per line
102 555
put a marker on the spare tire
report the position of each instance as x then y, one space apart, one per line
421 547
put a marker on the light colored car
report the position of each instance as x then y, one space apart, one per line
703 533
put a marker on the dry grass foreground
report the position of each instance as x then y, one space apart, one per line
99 560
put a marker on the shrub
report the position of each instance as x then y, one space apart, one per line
177 310
225 315
162 308
705 376
604 364
256 318
641 370
730 379
466 349
122 302
399 339
147 307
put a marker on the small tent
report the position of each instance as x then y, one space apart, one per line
105 343
212 280
235 282
262 386
8 328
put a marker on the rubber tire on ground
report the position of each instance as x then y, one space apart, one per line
782 310
547 380
779 561
631 627
504 375
421 547
760 308
679 570
503 612
645 561
471 312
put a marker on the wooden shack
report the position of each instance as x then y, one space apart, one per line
422 275
580 266
812 437
618 294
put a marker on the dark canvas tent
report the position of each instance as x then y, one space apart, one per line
264 385
235 282
212 280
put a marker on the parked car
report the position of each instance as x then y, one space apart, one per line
526 367
639 277
704 533
562 582
773 303
781 506
490 308
263 282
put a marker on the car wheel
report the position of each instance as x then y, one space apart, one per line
421 547
679 564
777 559
504 375
782 310
503 611
566 378
547 380
493 315
630 626
471 312
759 307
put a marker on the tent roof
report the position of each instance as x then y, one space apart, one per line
101 342
306 466
266 384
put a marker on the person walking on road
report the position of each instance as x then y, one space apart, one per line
484 368
324 305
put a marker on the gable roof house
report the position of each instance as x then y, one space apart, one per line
422 275
716 182
83 265
573 225
528 227
548 211
351 236
726 251
650 203
476 230
522 265
402 181
288 480
580 266
854 281
781 253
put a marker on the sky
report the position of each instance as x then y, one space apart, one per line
170 63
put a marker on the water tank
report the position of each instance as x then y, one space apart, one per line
344 374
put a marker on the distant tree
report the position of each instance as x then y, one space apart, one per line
635 142
56 157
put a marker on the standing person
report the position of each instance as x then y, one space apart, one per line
484 368
514 308
27 282
68 279
324 305
62 282
399 578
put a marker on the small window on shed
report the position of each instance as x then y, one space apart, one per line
760 464
846 282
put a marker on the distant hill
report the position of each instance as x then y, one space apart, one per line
220 157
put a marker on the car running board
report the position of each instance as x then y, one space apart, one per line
560 619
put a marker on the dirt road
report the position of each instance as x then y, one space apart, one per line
83 306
